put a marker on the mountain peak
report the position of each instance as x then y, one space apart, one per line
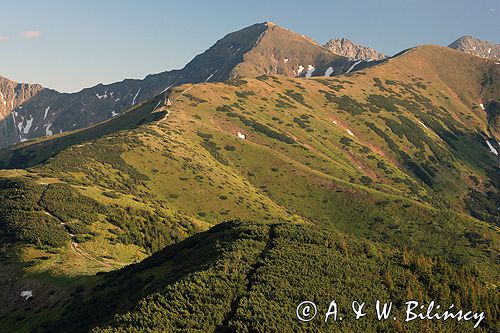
347 48
477 47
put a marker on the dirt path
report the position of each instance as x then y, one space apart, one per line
75 246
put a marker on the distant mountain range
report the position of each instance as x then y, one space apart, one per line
31 111
477 47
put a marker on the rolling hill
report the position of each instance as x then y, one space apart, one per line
400 155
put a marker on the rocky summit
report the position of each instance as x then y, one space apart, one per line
346 48
477 47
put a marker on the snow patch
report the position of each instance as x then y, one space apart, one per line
354 65
286 60
241 136
329 71
103 96
136 94
113 113
27 128
20 125
349 132
157 105
310 70
26 294
46 112
492 149
208 78
482 106
166 88
48 132
301 68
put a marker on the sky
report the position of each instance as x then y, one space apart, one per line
68 45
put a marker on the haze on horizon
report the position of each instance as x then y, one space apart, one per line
70 46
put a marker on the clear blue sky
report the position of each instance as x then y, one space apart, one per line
68 45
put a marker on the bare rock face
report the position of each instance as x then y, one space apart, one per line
477 47
347 48
13 94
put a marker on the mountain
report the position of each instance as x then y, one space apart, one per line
347 48
263 48
477 47
390 172
398 153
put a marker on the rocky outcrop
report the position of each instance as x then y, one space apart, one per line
13 94
347 48
477 47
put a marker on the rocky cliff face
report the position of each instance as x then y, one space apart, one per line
347 48
477 47
13 94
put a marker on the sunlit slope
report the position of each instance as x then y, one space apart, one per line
395 154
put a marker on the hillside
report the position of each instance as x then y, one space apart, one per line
302 139
397 154
241 277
